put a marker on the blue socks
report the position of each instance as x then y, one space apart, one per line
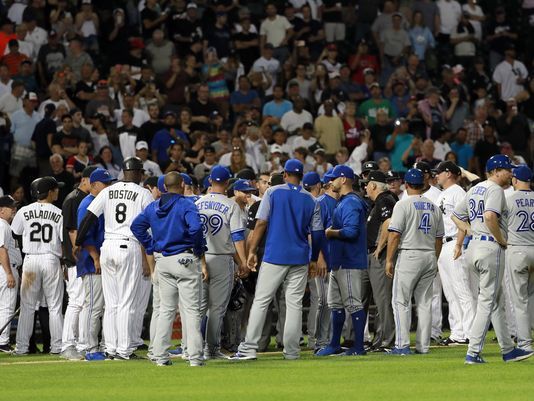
358 325
338 319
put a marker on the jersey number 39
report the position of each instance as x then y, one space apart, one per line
211 224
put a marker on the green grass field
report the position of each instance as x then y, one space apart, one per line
440 375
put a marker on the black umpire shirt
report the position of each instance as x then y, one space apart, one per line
70 222
382 210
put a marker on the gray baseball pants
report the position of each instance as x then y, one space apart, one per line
92 312
382 289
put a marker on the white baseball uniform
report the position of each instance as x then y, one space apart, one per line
8 296
121 262
454 273
41 227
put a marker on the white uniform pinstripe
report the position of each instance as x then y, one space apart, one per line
121 262
74 286
142 298
8 296
41 227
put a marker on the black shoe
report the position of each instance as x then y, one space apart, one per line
449 342
109 357
436 340
279 345
383 350
6 348
142 347
347 343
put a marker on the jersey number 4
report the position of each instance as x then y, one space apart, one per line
526 224
424 224
211 224
41 233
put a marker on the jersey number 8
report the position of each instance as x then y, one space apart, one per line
120 213
211 224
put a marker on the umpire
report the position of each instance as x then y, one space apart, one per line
178 247
377 233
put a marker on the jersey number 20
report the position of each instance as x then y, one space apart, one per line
41 233
424 224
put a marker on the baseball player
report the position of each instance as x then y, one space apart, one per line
224 229
74 286
179 246
122 258
289 214
10 259
452 270
89 271
189 185
520 251
41 226
416 232
484 212
377 233
348 262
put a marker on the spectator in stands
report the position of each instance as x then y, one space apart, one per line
393 43
500 36
14 58
209 160
276 108
421 37
175 160
513 127
329 130
42 139
65 142
294 119
201 109
77 57
485 148
246 43
267 66
397 143
277 31
76 163
441 145
61 175
510 75
106 161
151 168
464 40
152 18
369 108
165 137
243 98
12 101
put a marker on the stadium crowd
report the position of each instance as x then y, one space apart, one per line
189 85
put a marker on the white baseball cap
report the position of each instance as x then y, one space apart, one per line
275 148
141 145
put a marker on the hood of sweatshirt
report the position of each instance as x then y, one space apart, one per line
166 203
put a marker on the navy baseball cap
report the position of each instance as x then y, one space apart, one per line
522 173
101 175
161 184
243 186
293 166
343 171
206 182
376 176
310 179
393 176
414 176
449 166
187 179
219 174
499 161
7 201
371 165
86 173
423 166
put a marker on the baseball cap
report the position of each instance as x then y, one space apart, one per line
368 70
86 173
31 96
141 145
137 43
369 166
276 179
310 179
275 148
393 176
343 171
423 166
45 184
376 176
102 84
219 174
374 85
243 186
499 161
268 46
246 174
169 113
293 166
101 175
187 179
327 177
191 5
161 184
449 166
151 182
522 173
414 176
7 201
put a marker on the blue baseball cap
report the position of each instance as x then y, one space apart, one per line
522 173
327 177
343 171
293 166
243 186
414 176
206 182
310 179
187 179
219 174
101 175
499 161
161 184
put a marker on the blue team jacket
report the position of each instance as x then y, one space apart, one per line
328 205
95 237
349 251
175 224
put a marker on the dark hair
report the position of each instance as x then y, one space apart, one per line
128 111
65 116
298 175
98 159
416 186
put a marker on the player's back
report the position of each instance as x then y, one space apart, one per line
221 218
446 202
419 222
328 204
521 218
120 204
41 227
486 196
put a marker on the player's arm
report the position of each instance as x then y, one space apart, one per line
237 230
257 235
194 228
459 244
139 228
4 261
393 245
95 255
492 222
382 239
86 224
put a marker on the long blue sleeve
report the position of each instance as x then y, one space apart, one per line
194 228
351 221
318 241
139 228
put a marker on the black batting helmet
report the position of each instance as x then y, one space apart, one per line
132 163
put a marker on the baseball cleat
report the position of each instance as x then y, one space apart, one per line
196 364
516 355
131 357
329 351
70 354
474 359
6 348
176 353
354 352
400 351
142 347
95 356
238 356
164 363
109 357
18 353
214 355
449 342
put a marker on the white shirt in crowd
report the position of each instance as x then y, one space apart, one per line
140 117
441 149
450 13
9 103
275 30
270 67
506 75
292 121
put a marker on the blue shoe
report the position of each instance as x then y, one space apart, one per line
238 356
474 360
328 351
516 355
401 351
353 351
176 352
95 356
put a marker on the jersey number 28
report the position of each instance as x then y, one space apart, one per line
525 225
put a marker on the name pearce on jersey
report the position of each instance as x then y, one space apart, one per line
424 206
213 205
123 194
524 202
42 214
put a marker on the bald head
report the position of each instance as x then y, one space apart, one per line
174 182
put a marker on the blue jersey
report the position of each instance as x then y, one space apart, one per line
291 214
328 205
95 237
175 223
350 250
